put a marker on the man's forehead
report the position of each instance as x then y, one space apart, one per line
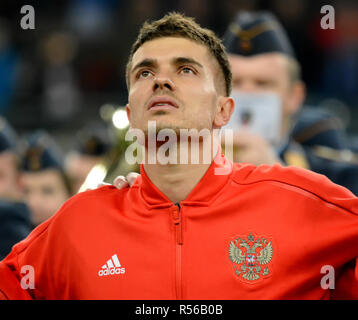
7 155
264 58
260 63
49 174
260 56
167 48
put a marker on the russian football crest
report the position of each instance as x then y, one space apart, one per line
251 257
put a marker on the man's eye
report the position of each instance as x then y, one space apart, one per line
187 70
264 83
144 74
47 190
237 83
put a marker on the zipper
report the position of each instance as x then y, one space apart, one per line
178 224
178 249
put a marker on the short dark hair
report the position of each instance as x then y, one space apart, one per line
177 25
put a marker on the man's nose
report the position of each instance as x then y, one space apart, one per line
162 83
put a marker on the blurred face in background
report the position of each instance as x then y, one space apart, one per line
268 73
9 176
78 167
44 192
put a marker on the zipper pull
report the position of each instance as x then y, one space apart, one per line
177 223
178 205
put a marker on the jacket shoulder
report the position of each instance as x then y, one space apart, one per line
302 180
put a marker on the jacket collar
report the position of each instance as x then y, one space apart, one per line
208 188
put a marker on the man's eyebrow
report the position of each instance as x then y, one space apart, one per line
185 60
150 63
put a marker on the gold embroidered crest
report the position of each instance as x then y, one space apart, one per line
251 257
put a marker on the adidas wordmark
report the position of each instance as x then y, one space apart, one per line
111 267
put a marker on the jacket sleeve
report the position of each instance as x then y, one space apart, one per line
22 269
10 282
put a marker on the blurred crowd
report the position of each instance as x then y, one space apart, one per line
62 83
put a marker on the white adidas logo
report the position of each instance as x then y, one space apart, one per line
112 267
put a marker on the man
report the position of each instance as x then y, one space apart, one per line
213 230
263 61
14 214
10 186
45 183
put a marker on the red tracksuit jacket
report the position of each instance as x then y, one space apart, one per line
256 233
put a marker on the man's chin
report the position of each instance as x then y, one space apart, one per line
156 127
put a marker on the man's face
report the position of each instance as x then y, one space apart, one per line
44 192
9 176
263 73
172 82
78 167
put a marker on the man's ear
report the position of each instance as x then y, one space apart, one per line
128 110
224 111
298 95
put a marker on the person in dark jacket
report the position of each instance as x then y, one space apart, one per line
14 214
15 225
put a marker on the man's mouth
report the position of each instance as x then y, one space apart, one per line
162 103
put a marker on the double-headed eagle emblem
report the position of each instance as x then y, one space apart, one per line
251 257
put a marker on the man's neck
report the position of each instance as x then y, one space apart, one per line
176 181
